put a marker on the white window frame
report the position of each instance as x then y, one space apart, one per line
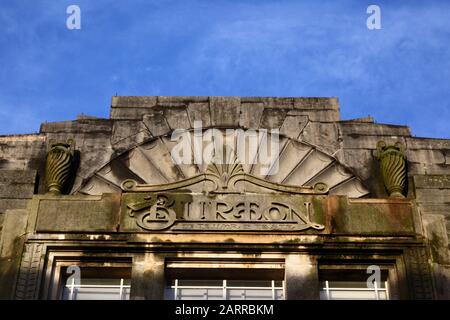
201 264
72 286
225 288
376 289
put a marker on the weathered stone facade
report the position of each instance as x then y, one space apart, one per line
327 205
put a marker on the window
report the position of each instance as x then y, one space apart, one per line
352 285
354 290
225 290
225 279
98 284
84 274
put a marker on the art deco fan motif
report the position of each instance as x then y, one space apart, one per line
299 164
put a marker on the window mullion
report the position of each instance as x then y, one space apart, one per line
376 290
327 290
72 286
121 289
176 289
273 289
224 288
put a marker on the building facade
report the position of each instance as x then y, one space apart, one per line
224 198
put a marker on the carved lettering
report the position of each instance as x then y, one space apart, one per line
231 212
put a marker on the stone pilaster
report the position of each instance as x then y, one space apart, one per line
147 278
301 277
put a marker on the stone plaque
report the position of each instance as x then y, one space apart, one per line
221 212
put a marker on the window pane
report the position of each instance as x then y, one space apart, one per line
199 283
200 294
351 284
96 294
249 294
352 295
249 283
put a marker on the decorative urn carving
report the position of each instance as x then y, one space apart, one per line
393 168
59 165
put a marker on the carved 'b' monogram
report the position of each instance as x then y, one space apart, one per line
159 216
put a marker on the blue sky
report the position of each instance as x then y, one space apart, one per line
399 74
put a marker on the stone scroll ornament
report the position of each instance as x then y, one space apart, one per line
393 168
59 165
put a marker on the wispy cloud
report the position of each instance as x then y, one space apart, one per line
399 74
